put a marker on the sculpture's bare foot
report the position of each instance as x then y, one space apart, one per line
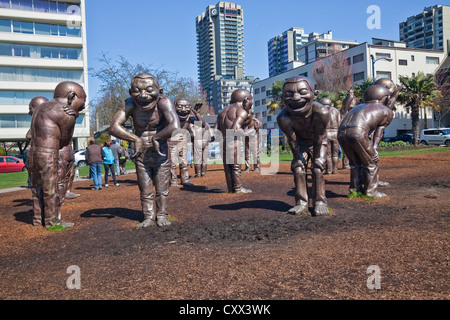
299 210
163 222
257 170
243 190
383 184
147 223
188 184
321 209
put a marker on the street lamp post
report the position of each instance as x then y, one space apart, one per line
374 61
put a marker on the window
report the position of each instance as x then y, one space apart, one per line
432 60
384 75
358 76
257 91
403 62
4 4
358 58
382 55
413 58
263 89
22 97
5 25
7 121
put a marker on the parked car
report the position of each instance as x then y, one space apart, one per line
80 158
440 136
11 164
405 137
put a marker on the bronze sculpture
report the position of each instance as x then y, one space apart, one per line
231 122
304 122
200 141
360 133
348 104
178 144
155 119
332 131
252 146
52 127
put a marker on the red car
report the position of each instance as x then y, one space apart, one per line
11 164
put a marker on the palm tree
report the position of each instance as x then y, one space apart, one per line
276 93
419 91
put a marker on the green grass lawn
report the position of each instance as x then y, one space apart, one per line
19 179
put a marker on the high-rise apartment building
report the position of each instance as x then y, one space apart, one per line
220 51
42 43
294 45
428 30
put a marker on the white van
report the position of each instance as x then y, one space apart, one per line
438 137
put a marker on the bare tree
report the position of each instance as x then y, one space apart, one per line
333 73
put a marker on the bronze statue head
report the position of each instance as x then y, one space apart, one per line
388 83
326 102
183 108
145 90
244 97
73 93
36 102
298 95
376 93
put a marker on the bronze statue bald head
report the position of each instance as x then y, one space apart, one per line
376 93
183 108
73 93
326 102
298 95
36 102
145 89
388 83
244 97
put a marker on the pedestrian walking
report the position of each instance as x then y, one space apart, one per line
115 148
123 158
108 163
94 158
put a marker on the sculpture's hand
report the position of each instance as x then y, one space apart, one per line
138 145
376 157
155 144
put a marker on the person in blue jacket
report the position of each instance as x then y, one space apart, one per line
108 163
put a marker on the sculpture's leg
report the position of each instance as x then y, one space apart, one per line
301 192
161 179
146 191
318 193
371 181
173 152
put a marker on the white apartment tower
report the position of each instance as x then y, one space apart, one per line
429 29
220 52
42 43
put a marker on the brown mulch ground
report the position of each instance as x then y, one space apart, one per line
224 247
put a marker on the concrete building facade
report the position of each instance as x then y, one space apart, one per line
42 43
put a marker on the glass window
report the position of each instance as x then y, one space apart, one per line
28 74
74 54
41 5
5 25
26 5
358 76
358 58
6 73
6 49
384 74
5 4
74 32
6 97
7 121
432 60
53 8
23 121
80 121
42 28
62 30
62 7
27 27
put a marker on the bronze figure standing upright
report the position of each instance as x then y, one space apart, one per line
200 141
332 131
304 122
231 122
360 133
52 127
154 119
252 146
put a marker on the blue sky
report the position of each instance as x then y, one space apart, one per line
162 33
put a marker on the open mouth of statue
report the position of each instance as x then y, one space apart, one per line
297 105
